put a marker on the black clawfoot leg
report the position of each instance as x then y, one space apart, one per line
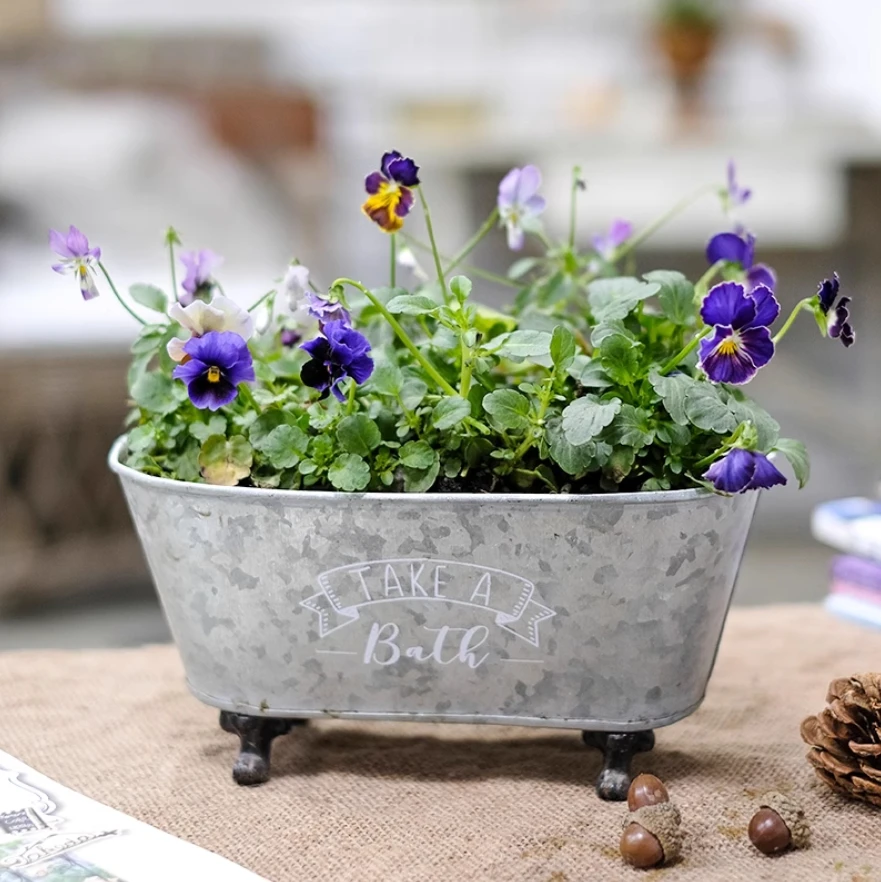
618 749
256 735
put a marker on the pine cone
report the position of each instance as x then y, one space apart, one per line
845 738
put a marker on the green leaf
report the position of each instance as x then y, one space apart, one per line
588 372
150 339
586 417
349 473
411 304
418 455
461 288
706 409
156 393
523 344
141 438
673 391
632 427
619 356
562 347
149 296
450 412
521 267
743 409
358 434
620 464
387 379
616 298
674 434
507 409
225 462
413 391
420 480
572 459
285 446
260 429
216 425
797 454
676 295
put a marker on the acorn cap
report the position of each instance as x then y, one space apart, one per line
662 821
792 816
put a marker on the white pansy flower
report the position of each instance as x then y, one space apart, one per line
221 314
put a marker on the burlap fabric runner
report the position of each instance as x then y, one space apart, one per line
428 802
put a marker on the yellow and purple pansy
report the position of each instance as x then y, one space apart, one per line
390 191
741 341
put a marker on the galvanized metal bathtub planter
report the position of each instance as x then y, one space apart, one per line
595 612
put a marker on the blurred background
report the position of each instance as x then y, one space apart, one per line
250 127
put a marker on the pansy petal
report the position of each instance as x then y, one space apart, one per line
387 159
231 317
62 268
620 232
766 474
405 202
508 188
734 472
318 348
757 345
88 288
726 246
58 243
723 360
516 237
528 184
767 307
203 393
175 349
848 335
77 242
189 370
360 368
761 274
727 304
535 204
827 291
404 171
373 182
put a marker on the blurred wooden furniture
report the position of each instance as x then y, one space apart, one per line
63 521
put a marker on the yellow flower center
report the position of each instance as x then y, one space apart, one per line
213 374
727 346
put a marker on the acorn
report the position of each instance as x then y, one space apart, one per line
651 835
646 789
779 824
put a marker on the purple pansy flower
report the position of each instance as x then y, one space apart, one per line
199 266
834 316
390 193
741 470
741 342
519 203
342 352
325 310
735 195
218 362
290 337
736 248
607 243
77 258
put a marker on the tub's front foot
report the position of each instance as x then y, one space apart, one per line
618 749
255 735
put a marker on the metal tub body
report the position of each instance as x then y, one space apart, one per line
600 612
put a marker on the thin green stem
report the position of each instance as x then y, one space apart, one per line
262 300
802 304
248 395
442 279
393 261
685 352
701 286
544 403
116 294
655 225
350 403
403 336
573 205
465 378
473 242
